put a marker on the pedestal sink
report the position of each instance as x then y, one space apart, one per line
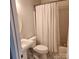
25 44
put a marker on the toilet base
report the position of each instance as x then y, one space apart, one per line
43 56
36 57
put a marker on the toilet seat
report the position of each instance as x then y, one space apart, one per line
41 49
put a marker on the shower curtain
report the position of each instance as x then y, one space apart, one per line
47 26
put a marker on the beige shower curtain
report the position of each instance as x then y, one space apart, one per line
47 26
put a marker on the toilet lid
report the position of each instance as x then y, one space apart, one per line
41 49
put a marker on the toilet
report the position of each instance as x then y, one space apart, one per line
40 49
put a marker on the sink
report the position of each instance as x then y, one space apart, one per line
26 44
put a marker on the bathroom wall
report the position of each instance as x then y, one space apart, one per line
45 1
35 2
63 23
25 17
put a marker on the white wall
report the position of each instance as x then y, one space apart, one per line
26 18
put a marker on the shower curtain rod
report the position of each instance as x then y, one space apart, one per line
49 2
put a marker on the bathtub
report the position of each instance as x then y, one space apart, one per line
62 50
62 53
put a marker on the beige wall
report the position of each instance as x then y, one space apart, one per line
25 17
35 2
64 23
45 1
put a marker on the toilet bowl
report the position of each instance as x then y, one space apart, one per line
39 49
42 50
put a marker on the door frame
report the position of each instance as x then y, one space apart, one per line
14 29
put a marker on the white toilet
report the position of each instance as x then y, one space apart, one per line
40 49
